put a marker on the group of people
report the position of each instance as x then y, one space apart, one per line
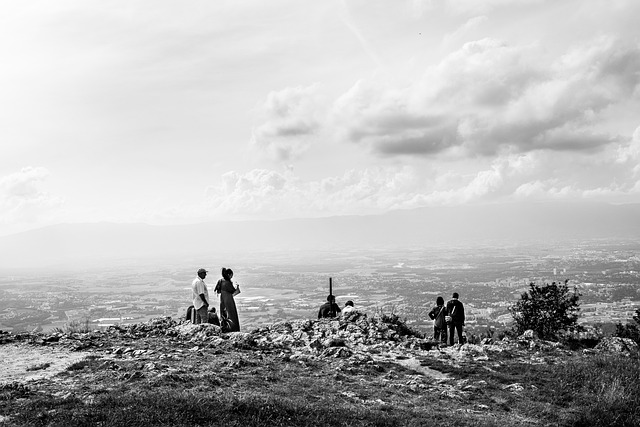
331 309
204 312
448 320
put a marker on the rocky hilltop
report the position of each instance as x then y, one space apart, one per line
356 370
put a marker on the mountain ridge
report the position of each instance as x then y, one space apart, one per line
70 243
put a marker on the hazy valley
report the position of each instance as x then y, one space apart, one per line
292 285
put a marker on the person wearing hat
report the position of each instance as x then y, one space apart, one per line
200 297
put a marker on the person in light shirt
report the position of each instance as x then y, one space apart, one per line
200 296
348 308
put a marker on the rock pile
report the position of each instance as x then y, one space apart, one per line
355 335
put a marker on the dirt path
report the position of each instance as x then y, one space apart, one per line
23 362
411 363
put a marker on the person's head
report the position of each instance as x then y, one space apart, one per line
331 298
348 303
212 309
439 301
455 295
202 273
227 273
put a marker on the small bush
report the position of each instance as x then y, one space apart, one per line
75 327
630 330
546 310
88 362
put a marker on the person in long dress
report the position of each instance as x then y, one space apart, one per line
226 290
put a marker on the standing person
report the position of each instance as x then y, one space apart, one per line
437 314
228 309
329 308
455 310
200 295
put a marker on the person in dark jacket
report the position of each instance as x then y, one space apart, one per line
228 309
329 308
438 314
213 317
455 310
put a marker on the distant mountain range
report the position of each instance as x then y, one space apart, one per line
69 244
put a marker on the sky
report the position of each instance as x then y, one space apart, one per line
172 112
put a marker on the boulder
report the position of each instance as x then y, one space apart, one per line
617 345
528 335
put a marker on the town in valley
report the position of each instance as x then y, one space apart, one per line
281 286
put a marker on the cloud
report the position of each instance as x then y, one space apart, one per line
470 25
610 175
347 19
489 97
464 7
22 200
630 153
474 6
267 193
290 117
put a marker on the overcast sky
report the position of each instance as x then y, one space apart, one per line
168 112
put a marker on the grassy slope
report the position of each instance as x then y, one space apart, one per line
181 385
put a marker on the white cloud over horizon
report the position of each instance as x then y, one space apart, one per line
168 113
22 199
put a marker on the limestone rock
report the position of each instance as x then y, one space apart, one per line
617 345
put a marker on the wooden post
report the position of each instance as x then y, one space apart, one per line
330 286
332 311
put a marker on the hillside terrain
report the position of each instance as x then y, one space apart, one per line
355 371
65 245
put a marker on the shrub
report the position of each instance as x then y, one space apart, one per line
546 310
630 330
74 327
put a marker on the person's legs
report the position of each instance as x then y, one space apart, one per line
443 333
203 315
451 333
436 333
459 329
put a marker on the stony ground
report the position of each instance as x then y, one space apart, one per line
365 362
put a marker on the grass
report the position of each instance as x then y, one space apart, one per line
594 391
608 388
225 385
244 390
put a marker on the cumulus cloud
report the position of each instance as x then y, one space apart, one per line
22 200
489 97
268 193
538 175
611 175
289 117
